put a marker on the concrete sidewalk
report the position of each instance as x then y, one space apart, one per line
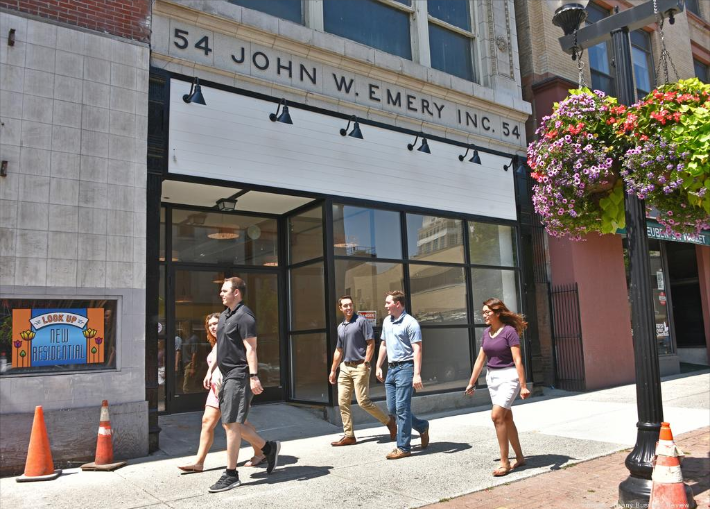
557 430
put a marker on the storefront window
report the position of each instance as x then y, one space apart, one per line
370 22
435 239
306 236
370 233
445 359
308 367
211 237
161 340
479 335
438 294
50 335
493 283
492 244
367 283
660 297
308 302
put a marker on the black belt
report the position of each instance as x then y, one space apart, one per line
399 363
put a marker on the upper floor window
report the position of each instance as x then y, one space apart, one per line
693 6
701 71
290 10
381 24
642 61
451 37
599 55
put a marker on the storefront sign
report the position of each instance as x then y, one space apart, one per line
53 337
371 316
192 43
657 231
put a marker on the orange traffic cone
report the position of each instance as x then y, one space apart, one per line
39 465
104 459
668 488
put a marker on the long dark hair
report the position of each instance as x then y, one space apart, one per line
507 316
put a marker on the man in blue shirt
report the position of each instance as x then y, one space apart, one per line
355 348
402 339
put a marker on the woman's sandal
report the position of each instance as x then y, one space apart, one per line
192 468
502 471
517 464
255 461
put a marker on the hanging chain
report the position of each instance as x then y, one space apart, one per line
578 55
664 57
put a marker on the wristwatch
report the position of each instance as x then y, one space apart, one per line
253 375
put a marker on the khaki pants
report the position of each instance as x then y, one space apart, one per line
358 378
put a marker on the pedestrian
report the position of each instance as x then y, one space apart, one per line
355 347
505 376
237 360
212 406
402 344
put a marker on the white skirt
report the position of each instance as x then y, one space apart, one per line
503 386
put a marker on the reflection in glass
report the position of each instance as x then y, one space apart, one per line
308 299
371 23
659 297
492 244
306 235
285 9
493 283
367 283
262 297
308 367
435 239
196 296
211 237
479 335
454 12
446 362
161 339
438 294
365 232
451 52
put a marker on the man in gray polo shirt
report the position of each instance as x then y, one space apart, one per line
355 347
402 340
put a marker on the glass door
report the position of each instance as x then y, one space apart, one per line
196 295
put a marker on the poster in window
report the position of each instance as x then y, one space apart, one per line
55 337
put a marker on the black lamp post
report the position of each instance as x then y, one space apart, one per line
636 489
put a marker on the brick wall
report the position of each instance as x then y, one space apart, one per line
124 18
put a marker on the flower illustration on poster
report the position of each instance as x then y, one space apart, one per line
55 337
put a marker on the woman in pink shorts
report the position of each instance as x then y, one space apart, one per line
212 409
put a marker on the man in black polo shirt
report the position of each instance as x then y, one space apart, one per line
355 347
237 360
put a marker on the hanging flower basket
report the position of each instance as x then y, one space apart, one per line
668 162
575 165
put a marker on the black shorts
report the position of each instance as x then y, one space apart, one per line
235 397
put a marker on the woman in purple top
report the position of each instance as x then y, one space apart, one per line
505 376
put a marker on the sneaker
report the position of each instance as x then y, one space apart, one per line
226 482
273 456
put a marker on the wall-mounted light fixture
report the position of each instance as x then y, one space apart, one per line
3 169
195 95
11 37
226 204
424 147
520 167
284 117
475 156
355 133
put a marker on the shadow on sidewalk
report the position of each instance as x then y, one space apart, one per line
442 447
293 473
696 473
554 461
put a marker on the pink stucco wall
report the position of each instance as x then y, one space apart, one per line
597 266
702 260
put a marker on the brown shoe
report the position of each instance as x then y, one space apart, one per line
425 438
392 427
397 454
345 440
